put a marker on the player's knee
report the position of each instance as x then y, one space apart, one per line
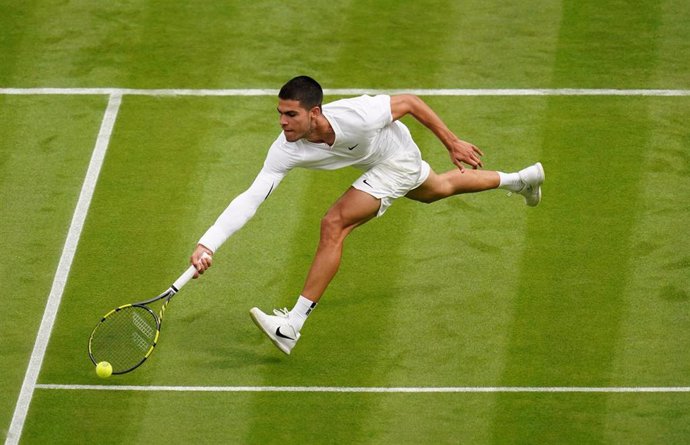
332 227
443 190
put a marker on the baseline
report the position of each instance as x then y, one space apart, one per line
351 91
347 389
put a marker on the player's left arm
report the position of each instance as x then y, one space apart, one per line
460 151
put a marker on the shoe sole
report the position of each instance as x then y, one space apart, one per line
256 313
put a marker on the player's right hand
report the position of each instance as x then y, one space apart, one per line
202 259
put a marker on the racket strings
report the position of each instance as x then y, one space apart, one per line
125 337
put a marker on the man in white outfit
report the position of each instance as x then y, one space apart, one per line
363 132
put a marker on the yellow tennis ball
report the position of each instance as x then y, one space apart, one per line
104 370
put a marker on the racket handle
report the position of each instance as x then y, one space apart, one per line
187 275
184 278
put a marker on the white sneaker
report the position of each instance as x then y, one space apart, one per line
277 327
532 178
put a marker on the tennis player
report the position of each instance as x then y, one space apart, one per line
366 133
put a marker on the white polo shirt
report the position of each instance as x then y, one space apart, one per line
365 137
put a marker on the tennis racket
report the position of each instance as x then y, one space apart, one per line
126 336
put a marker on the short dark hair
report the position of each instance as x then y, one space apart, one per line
303 89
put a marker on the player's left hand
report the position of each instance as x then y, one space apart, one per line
467 153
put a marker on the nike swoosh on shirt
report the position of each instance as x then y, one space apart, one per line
353 147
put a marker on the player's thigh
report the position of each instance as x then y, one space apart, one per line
353 208
432 189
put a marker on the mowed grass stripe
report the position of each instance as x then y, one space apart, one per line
653 345
655 320
577 263
575 266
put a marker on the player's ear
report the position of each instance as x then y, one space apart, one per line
315 111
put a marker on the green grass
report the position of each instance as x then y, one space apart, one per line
43 159
589 289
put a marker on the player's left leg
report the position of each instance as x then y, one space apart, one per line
454 182
526 182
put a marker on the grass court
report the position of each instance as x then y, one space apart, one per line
471 320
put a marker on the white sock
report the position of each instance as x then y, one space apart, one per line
510 181
299 313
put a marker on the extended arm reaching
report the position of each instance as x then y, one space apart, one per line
234 217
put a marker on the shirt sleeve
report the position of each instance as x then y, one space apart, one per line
245 205
369 113
380 110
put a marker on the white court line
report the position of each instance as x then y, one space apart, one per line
367 389
350 91
62 271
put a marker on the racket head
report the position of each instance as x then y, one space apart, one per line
125 337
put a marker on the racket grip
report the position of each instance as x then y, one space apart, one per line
186 276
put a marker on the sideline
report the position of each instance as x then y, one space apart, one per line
63 269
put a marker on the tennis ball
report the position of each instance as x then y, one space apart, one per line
104 370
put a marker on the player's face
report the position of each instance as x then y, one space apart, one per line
295 121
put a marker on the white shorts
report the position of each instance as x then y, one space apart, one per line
394 177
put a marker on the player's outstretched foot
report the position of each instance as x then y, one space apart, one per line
277 327
532 178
